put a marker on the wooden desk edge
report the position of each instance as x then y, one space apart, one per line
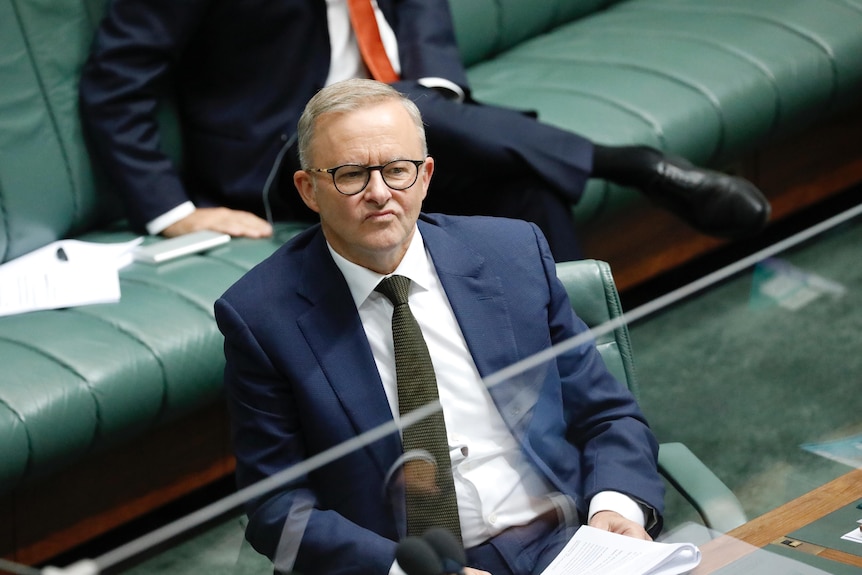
802 510
785 519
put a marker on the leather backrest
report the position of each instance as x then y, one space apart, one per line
476 28
487 27
46 184
595 299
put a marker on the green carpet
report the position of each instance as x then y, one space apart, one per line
743 380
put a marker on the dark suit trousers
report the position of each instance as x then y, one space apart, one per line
525 550
502 162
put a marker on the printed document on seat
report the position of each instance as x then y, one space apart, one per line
597 552
65 273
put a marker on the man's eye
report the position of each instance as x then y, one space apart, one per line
351 174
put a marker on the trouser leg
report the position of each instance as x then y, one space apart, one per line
465 137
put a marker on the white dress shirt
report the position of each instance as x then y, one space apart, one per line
345 60
495 486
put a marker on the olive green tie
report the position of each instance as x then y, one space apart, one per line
430 493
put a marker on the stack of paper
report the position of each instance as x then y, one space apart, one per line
62 274
596 552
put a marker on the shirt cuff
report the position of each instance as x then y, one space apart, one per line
396 569
170 217
457 92
622 504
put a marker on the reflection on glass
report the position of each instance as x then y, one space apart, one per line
516 391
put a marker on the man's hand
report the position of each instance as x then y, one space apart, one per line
616 523
225 220
471 571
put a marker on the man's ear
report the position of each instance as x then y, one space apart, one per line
426 170
305 186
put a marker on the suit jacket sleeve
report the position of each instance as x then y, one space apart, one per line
269 441
618 450
122 83
426 40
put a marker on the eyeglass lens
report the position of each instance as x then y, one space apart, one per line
398 175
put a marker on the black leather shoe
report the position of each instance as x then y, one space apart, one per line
712 202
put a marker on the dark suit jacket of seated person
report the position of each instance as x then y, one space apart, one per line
310 364
241 73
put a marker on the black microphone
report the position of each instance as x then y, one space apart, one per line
417 557
448 549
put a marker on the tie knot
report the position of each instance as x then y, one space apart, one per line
395 288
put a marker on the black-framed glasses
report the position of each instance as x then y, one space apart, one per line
351 179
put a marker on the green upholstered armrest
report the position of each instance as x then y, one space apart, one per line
717 505
595 299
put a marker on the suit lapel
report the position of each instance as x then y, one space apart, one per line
479 300
477 297
334 332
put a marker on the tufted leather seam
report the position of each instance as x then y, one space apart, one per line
71 370
4 213
833 96
497 46
656 127
767 73
621 333
192 302
825 48
726 48
49 107
160 287
646 119
163 404
207 312
228 261
29 463
708 95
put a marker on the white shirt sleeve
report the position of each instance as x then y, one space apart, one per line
622 504
155 227
444 84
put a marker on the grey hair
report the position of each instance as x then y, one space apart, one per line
349 96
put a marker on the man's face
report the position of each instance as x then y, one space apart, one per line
374 227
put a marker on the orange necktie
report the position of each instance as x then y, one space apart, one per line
368 38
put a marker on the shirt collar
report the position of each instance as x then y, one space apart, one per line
416 265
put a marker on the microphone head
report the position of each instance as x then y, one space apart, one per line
447 548
417 557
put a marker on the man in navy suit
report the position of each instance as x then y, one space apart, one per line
310 365
241 72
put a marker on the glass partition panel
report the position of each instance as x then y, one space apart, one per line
756 367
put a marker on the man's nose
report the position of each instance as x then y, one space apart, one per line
377 191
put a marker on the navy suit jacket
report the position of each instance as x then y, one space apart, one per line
301 378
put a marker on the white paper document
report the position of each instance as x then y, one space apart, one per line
65 273
855 536
597 552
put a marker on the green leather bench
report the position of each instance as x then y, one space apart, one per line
108 411
771 89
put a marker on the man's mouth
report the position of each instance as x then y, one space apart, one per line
379 215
